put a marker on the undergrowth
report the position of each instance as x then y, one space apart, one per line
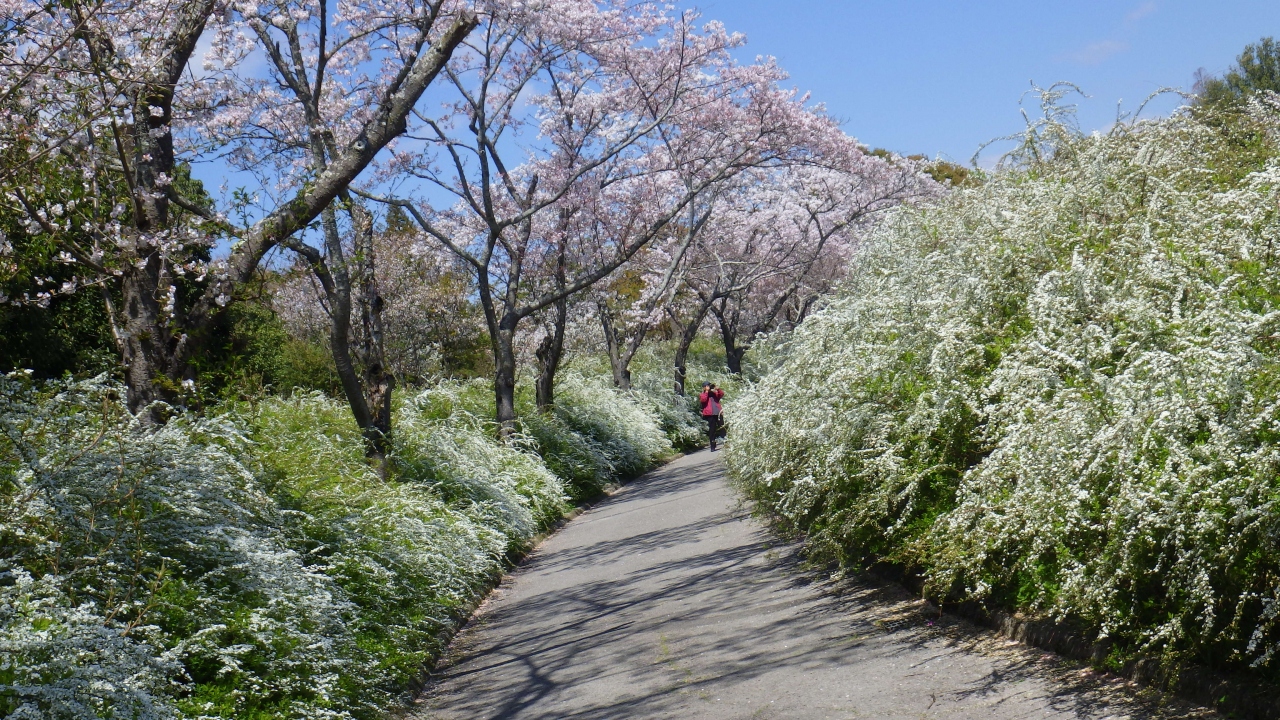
253 564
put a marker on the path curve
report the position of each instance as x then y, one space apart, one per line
668 601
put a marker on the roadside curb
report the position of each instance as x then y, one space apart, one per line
1233 696
1229 694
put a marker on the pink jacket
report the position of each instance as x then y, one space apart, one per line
708 408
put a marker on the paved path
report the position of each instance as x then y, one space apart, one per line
668 601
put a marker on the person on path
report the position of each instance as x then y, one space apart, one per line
710 400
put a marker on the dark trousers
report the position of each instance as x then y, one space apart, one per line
713 428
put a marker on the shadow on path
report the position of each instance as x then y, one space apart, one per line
668 601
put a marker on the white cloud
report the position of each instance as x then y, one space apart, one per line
1140 12
1096 53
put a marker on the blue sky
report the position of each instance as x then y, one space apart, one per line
940 78
937 77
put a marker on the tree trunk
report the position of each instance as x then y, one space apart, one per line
551 349
336 280
502 332
732 351
687 336
368 393
619 359
378 380
621 373
153 368
504 380
733 357
549 352
155 361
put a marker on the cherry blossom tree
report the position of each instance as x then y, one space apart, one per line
755 250
431 325
785 236
625 102
105 93
629 306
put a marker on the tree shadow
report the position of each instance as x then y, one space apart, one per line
659 622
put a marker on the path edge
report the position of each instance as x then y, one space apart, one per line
1230 694
515 558
1233 695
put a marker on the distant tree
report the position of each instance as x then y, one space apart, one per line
948 173
625 105
951 174
432 326
1257 69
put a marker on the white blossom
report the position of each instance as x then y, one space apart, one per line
1055 390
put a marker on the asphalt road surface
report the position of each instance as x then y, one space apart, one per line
667 600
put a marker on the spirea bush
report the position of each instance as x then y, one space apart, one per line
255 565
596 435
628 433
1057 392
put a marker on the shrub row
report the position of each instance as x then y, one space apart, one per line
253 564
1057 392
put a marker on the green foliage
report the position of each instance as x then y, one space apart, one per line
252 353
70 336
947 173
953 175
54 334
1257 69
53 314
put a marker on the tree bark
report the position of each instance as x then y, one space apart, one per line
367 388
153 355
551 349
378 380
335 278
733 356
619 357
504 380
152 378
688 334
733 352
549 353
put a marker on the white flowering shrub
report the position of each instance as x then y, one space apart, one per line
64 662
1057 391
167 540
679 416
509 486
577 458
628 433
412 554
253 565
595 435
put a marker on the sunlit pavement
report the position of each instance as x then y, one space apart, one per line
668 601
